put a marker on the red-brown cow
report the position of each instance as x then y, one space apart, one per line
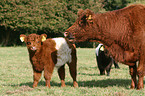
45 54
121 31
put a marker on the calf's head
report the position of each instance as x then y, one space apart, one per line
33 41
81 28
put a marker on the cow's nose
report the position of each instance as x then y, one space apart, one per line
66 34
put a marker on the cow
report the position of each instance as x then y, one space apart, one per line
45 54
104 61
122 32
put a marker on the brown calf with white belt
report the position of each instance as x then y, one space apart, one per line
45 54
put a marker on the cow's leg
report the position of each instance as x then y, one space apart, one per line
61 73
133 73
73 72
36 77
140 72
47 75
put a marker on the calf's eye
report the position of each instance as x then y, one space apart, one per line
28 43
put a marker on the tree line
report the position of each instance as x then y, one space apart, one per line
51 17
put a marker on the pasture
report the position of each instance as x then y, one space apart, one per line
16 77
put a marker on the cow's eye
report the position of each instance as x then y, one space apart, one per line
38 41
81 23
28 43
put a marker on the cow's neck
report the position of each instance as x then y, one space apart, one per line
105 23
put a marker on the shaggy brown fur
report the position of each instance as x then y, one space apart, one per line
43 56
121 31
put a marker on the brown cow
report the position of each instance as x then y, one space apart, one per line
121 31
45 54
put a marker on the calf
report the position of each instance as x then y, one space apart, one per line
45 54
104 61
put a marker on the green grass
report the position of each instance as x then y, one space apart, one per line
16 77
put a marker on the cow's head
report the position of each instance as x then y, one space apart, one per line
81 28
33 41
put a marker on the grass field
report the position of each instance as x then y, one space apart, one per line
16 77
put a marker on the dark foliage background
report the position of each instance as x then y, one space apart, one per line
51 17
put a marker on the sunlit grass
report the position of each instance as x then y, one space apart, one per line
16 77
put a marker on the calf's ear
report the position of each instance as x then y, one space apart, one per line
102 48
43 37
22 37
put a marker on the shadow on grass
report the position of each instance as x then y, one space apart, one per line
41 83
89 74
93 83
106 83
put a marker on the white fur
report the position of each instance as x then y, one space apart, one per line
63 52
97 49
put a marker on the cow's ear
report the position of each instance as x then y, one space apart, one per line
43 37
80 12
89 15
23 37
86 17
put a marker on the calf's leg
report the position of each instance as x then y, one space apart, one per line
36 77
100 65
61 73
102 71
108 68
116 64
47 75
73 72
